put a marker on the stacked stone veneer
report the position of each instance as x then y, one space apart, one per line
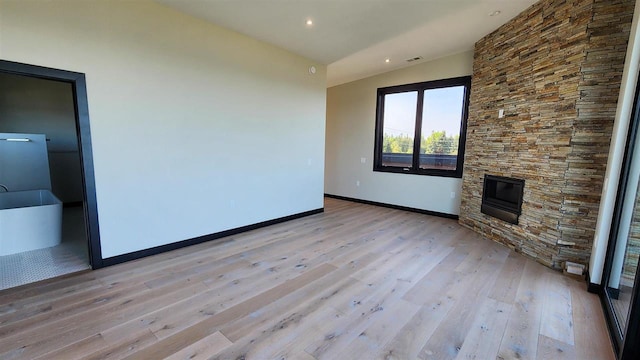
555 70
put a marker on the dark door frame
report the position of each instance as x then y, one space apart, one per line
79 88
626 345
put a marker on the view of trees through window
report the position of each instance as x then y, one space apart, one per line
439 123
439 142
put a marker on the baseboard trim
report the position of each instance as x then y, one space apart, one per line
396 207
197 240
591 287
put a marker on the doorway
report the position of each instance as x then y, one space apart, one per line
59 110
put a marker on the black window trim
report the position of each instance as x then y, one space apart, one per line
420 87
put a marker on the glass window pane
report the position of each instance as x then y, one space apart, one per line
399 128
625 258
441 119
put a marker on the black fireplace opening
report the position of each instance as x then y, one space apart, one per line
502 197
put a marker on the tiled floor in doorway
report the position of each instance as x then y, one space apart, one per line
68 257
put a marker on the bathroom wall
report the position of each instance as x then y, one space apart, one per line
195 129
30 105
351 117
24 165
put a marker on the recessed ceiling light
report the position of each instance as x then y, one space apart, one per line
495 13
309 22
387 60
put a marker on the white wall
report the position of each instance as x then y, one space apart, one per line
351 115
195 129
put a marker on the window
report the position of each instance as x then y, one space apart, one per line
420 128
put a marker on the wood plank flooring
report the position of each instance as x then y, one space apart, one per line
356 282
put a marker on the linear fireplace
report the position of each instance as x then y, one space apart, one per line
502 197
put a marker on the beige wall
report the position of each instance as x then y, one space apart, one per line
195 129
350 130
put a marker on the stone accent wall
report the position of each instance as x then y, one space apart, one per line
556 70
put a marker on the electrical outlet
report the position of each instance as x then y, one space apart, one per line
453 194
357 182
363 160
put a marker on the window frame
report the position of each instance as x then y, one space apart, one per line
420 88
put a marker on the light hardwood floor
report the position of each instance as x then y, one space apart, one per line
356 282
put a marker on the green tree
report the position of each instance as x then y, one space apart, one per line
439 143
436 143
399 144
456 142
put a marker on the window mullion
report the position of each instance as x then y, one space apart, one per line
417 137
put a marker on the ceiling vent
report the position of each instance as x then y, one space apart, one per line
414 59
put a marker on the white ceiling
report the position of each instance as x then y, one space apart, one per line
354 37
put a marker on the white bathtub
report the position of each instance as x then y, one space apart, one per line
29 220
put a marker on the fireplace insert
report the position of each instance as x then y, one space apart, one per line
502 197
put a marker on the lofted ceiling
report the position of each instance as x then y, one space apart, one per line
355 37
